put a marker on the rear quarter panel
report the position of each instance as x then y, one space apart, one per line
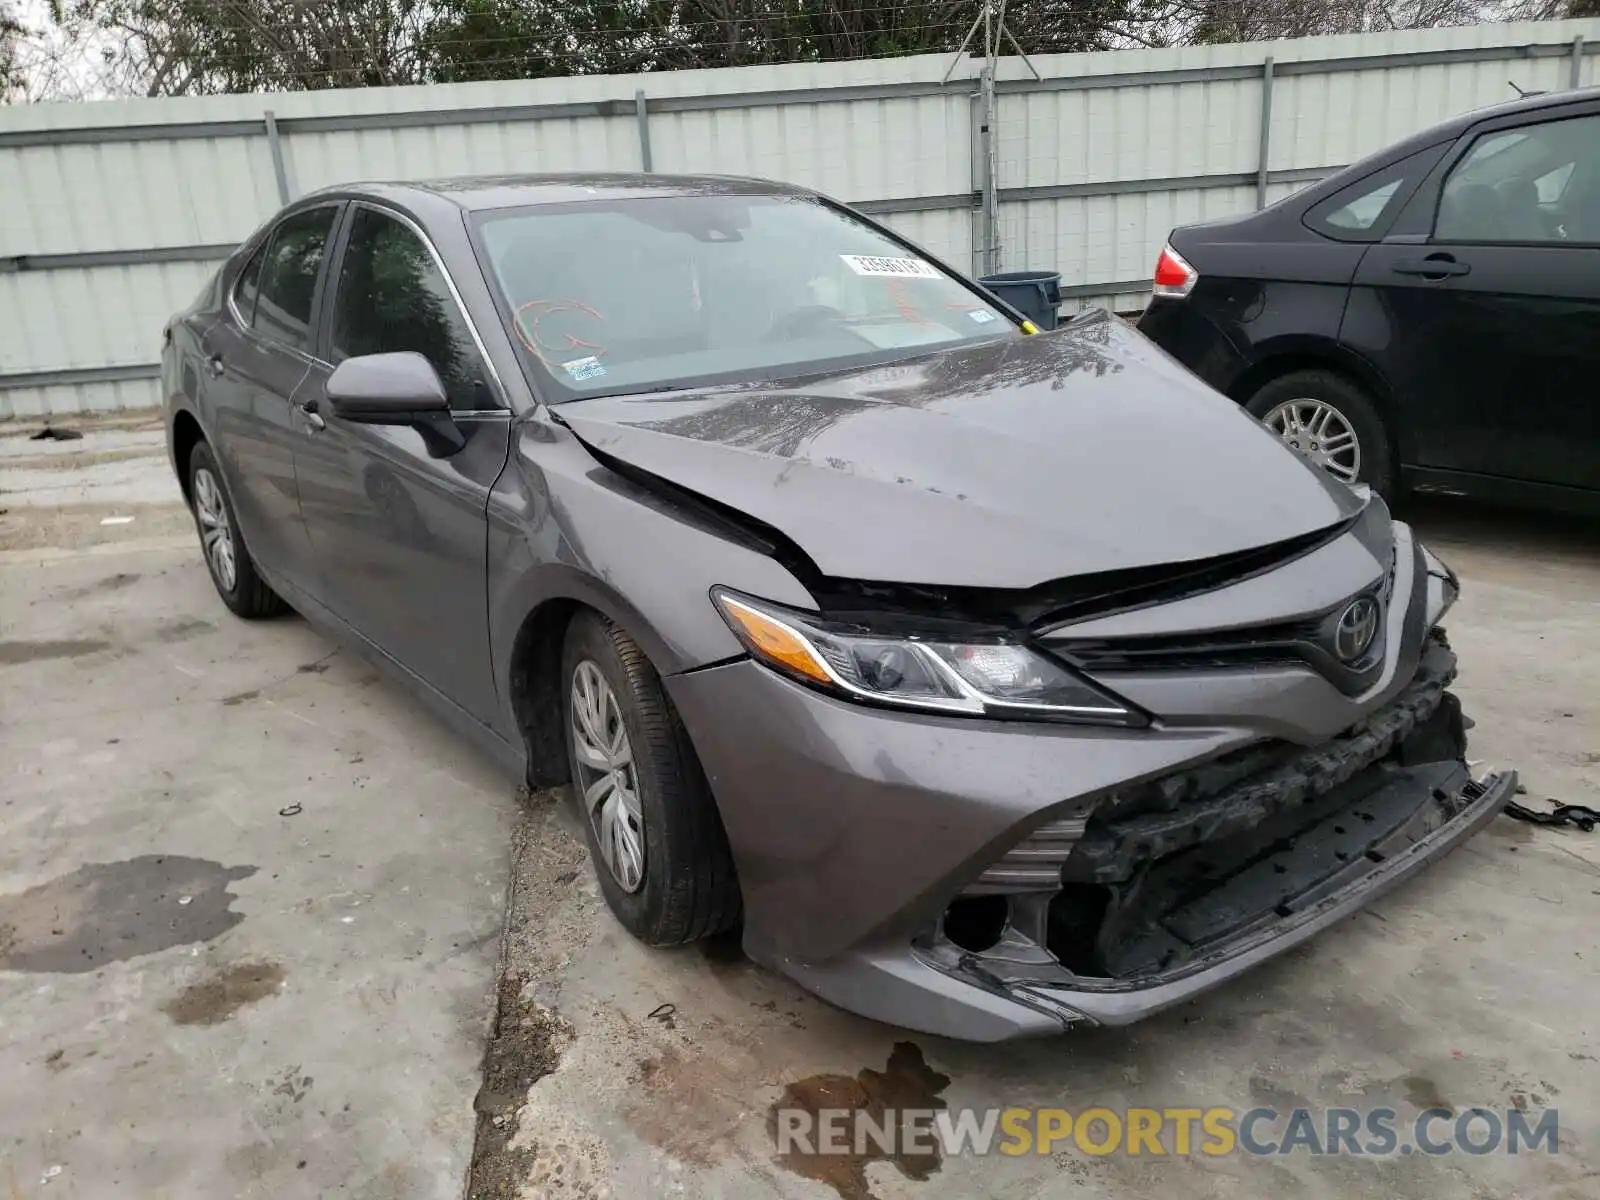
1272 294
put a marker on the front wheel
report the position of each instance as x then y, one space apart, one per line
652 828
1332 422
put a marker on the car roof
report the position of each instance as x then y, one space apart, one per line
1458 125
481 192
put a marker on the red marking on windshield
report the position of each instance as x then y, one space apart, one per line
903 303
543 344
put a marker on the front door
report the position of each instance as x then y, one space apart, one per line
397 516
1491 318
257 353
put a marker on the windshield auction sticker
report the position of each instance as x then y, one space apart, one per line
580 369
897 268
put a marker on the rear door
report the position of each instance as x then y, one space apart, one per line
397 515
1482 306
256 356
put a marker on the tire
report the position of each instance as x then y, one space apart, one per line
246 593
687 888
1351 405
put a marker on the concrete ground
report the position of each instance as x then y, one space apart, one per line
251 898
202 996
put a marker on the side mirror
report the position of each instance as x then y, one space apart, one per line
387 389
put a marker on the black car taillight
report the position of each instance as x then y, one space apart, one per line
1175 278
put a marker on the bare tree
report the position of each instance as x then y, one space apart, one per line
12 33
190 47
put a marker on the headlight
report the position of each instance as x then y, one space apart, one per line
991 678
1443 587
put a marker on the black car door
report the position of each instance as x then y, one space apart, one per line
397 514
1482 305
257 352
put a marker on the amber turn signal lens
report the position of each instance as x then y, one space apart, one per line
774 641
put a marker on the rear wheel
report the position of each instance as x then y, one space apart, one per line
653 831
1333 422
232 569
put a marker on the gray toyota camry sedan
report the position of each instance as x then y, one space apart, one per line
989 681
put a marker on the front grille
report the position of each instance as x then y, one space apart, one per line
1126 833
1269 644
1307 642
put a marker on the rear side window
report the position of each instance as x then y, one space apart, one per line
392 296
248 286
1362 211
289 277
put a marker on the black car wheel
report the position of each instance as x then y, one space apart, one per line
232 569
1331 421
657 842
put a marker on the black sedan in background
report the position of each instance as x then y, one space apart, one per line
1427 319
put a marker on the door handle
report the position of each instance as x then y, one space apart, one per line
313 417
214 366
1435 266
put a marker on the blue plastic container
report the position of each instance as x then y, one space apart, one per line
1034 294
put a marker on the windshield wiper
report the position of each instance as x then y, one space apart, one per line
656 390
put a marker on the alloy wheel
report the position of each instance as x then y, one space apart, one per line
606 777
1321 432
216 533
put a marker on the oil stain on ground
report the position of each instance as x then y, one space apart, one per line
112 583
183 630
110 912
224 992
14 653
1425 1093
906 1083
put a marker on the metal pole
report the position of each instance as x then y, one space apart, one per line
991 143
641 108
1577 63
1264 149
991 173
275 145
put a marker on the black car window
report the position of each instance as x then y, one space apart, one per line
248 285
1361 211
392 296
1536 183
289 277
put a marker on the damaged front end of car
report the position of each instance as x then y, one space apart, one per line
1235 756
1105 916
1124 903
1071 730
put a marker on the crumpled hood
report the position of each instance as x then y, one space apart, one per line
1003 465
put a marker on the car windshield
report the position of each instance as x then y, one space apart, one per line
651 294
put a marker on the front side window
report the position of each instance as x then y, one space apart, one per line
289 277
649 294
1537 183
391 296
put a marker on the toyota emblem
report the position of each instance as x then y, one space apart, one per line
1357 627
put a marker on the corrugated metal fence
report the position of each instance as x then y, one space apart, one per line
113 214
